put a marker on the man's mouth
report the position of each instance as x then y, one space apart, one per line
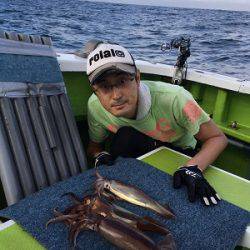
118 104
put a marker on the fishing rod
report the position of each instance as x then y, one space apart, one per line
180 68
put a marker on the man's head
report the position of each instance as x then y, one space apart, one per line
114 79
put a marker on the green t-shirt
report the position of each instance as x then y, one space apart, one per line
174 116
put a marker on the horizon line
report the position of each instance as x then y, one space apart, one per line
164 5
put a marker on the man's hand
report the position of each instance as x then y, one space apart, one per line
197 185
103 158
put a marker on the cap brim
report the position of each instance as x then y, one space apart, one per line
111 66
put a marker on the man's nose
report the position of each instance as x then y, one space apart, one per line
116 93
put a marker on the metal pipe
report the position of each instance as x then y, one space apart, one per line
43 141
57 149
74 131
30 142
17 146
8 172
64 135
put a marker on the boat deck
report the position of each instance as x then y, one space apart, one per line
231 188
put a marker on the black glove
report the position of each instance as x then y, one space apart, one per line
103 158
197 185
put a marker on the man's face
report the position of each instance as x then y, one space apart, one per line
118 94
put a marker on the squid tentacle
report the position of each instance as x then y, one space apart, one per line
61 219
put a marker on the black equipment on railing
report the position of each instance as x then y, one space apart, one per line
180 68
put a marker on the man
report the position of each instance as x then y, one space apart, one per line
145 115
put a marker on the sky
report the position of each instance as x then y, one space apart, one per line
238 5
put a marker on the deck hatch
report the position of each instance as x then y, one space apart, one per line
39 143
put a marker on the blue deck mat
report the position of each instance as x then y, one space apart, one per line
196 226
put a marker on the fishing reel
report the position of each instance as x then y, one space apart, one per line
180 68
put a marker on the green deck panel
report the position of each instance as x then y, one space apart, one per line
79 91
196 90
234 160
225 106
15 238
220 106
208 98
239 108
242 133
232 189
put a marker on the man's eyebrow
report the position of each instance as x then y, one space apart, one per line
122 74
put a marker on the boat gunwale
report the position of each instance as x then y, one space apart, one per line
73 63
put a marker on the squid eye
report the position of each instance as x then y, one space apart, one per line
106 185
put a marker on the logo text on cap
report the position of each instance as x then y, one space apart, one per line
105 54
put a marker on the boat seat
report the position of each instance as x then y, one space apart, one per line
39 140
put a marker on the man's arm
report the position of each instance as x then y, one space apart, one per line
94 149
213 143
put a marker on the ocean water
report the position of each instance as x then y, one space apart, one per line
220 39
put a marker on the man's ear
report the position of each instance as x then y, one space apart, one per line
93 87
138 76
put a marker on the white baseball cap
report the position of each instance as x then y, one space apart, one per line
107 57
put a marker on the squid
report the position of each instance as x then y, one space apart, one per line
120 234
93 204
121 227
113 189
